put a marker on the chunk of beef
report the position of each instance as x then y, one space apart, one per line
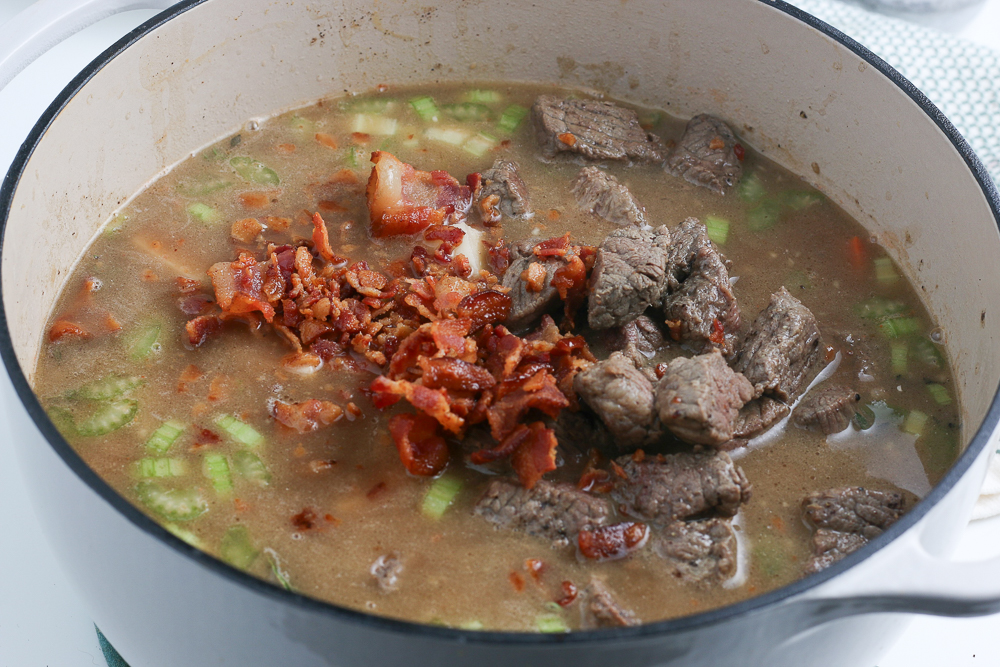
638 340
578 431
527 305
623 398
781 347
828 409
629 275
700 307
699 551
664 489
755 417
699 399
829 546
386 570
597 130
601 610
845 519
706 155
502 192
557 512
600 193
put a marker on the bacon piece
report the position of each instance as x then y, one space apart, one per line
539 392
308 415
569 593
421 449
505 353
506 447
612 542
238 286
570 276
536 455
499 256
433 402
594 478
447 233
190 374
554 247
403 200
201 328
486 307
455 374
534 277
187 286
307 519
63 328
321 240
444 338
246 230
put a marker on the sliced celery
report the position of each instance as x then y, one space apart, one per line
163 437
274 561
160 467
764 215
925 351
355 157
468 112
915 422
173 504
750 188
471 625
239 431
425 108
898 355
63 420
203 187
480 144
939 393
878 307
108 417
216 469
251 467
369 124
885 272
483 96
440 496
185 535
145 342
448 135
799 199
896 327
116 224
302 128
237 549
550 623
369 105
203 213
254 171
106 388
717 228
511 118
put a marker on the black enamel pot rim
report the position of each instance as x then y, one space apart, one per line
377 623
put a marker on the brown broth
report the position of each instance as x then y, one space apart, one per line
458 570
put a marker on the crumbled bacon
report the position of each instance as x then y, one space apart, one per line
454 374
594 478
534 277
307 519
535 456
569 593
403 200
486 307
421 449
447 233
432 402
321 239
238 286
187 286
308 415
201 329
499 255
554 247
612 542
444 338
246 230
539 392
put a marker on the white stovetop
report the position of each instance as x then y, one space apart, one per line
42 621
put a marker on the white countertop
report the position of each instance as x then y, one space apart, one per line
43 623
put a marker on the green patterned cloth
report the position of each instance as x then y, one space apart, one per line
110 654
961 78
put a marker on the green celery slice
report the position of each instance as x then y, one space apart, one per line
425 108
915 423
440 496
550 623
164 436
63 420
468 112
254 171
108 417
160 467
377 125
216 469
203 213
368 105
750 188
939 393
185 535
173 504
885 272
798 200
896 327
250 466
471 625
302 128
106 388
239 431
879 307
237 549
448 135
483 96
925 351
764 215
717 228
145 342
480 143
274 561
512 117
898 356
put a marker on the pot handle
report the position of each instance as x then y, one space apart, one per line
44 24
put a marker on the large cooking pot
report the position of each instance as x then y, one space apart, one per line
796 89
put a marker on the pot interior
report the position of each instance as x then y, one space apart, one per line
796 94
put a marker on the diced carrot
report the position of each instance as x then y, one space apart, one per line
326 140
567 138
255 199
856 252
64 328
111 324
285 148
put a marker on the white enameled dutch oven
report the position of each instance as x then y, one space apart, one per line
796 89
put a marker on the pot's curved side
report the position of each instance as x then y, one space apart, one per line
215 64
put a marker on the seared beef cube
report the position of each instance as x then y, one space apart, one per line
528 305
623 398
600 193
700 307
629 275
699 399
853 510
829 546
664 489
638 340
557 512
601 610
597 130
386 570
706 155
781 347
828 410
503 190
699 551
756 417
